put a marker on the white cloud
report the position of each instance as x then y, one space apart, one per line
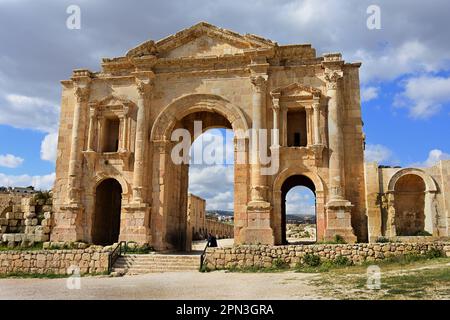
434 156
410 57
214 184
424 96
44 182
29 113
300 201
49 146
369 93
10 161
378 153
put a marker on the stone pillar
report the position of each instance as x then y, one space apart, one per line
100 132
143 88
283 132
258 229
91 133
338 209
309 125
258 181
76 156
316 124
391 230
276 122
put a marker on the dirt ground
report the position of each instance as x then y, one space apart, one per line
428 279
180 285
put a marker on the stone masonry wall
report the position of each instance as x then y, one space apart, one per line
90 260
263 256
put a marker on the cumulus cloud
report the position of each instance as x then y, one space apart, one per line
29 113
10 161
43 182
369 93
214 184
49 146
300 201
434 156
424 96
378 153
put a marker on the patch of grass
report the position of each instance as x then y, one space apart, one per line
423 233
35 246
279 264
134 248
311 260
382 240
338 239
24 275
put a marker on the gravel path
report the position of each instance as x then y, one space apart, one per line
179 285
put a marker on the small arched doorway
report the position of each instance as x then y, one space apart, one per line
108 203
291 183
409 205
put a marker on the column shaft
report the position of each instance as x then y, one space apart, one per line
141 129
258 181
75 151
316 115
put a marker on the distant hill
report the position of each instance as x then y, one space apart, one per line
301 218
220 212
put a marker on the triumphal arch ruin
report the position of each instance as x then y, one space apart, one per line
115 174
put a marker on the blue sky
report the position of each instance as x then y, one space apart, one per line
405 76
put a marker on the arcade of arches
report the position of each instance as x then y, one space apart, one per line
118 124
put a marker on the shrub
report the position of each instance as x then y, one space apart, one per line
434 253
311 260
279 263
338 239
382 240
342 261
423 233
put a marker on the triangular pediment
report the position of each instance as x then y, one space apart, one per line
297 90
201 40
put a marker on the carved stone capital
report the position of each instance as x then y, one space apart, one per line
259 83
276 104
82 94
93 112
144 87
332 77
316 105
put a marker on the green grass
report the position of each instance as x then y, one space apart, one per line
24 275
415 284
36 246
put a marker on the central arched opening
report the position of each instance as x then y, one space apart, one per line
211 187
203 188
298 210
410 205
108 203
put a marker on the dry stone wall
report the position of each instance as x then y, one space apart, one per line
94 259
264 256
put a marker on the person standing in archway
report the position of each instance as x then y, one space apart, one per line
212 241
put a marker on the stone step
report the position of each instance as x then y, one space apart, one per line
149 263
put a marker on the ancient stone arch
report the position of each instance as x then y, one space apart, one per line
163 169
250 83
101 176
277 200
191 103
429 182
430 193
